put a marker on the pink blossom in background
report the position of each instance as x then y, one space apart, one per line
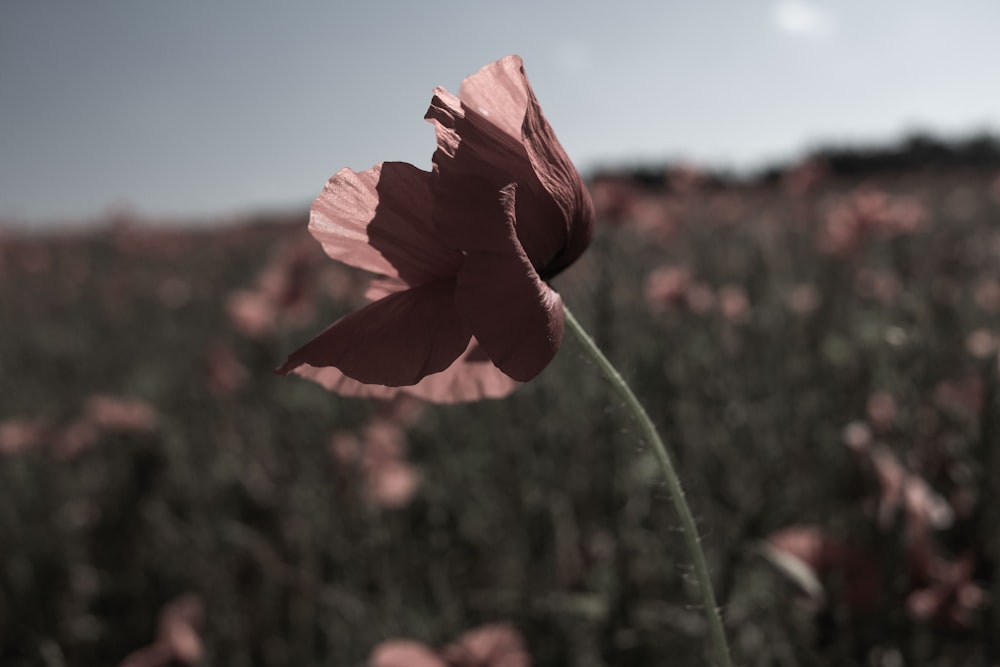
734 304
390 481
622 202
898 487
282 297
178 638
75 438
120 414
842 232
866 211
405 653
901 489
666 287
613 198
21 434
905 215
497 645
345 448
99 415
404 410
858 436
804 298
673 287
981 343
650 215
463 310
941 589
251 313
287 281
938 588
224 373
393 484
808 555
987 295
872 208
799 552
948 594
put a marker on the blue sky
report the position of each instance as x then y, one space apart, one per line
194 108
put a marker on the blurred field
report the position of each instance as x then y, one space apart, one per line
818 347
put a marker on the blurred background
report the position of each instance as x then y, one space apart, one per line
194 109
797 266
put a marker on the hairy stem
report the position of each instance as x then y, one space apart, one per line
717 635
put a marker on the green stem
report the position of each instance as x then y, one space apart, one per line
716 633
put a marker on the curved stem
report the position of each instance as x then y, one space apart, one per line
716 633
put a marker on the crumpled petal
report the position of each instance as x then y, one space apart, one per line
380 220
471 378
395 341
469 144
516 317
495 129
563 183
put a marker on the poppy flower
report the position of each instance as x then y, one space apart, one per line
462 309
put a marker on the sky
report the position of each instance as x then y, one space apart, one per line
195 109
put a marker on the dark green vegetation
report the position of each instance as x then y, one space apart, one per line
801 304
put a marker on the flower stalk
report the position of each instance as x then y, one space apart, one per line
717 635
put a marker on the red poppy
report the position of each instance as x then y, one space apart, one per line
464 252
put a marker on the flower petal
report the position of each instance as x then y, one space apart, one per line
495 128
561 180
499 93
380 221
514 315
394 341
471 378
469 143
